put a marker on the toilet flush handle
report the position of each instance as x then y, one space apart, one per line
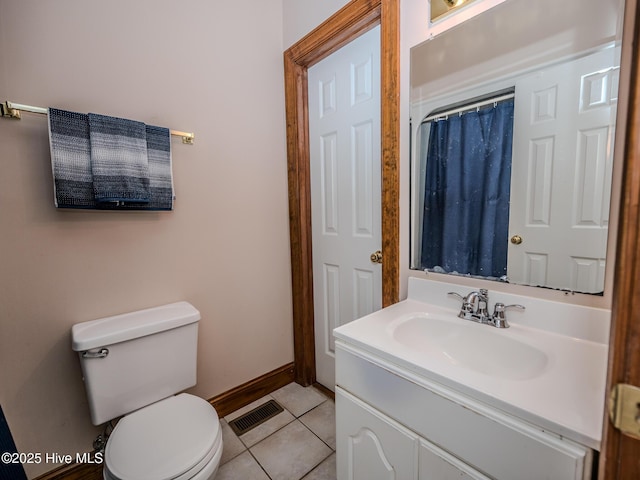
103 352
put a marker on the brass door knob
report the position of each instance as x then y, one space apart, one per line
516 239
376 257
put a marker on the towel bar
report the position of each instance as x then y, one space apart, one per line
12 110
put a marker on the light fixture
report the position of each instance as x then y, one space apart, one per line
442 8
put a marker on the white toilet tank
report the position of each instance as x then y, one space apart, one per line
132 360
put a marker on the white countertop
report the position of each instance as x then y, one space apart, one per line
565 396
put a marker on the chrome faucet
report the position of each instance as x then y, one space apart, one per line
475 308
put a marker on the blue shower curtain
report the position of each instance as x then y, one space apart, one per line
467 187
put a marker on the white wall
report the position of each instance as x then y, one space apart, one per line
214 68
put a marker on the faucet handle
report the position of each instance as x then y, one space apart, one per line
466 305
515 305
499 319
456 294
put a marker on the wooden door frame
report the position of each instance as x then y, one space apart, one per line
620 455
354 19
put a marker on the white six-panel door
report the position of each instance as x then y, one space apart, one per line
563 152
344 138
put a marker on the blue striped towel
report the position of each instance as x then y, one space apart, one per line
71 162
160 173
160 168
119 160
71 159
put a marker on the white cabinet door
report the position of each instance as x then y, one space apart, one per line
371 446
436 464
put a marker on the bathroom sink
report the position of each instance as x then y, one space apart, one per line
549 368
481 348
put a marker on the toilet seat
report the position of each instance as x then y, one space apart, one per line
172 439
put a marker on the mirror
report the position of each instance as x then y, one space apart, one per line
540 208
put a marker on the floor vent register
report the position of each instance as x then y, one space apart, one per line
255 417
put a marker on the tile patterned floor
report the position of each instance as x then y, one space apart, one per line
296 444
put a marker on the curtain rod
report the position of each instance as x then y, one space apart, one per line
464 108
12 110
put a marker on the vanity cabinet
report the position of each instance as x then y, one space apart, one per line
392 423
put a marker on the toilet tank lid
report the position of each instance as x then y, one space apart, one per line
127 326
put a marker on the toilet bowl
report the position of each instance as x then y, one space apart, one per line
134 366
178 438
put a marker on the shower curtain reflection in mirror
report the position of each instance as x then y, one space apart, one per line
467 186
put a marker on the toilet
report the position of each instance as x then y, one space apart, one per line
134 366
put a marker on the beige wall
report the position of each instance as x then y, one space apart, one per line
212 67
302 16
